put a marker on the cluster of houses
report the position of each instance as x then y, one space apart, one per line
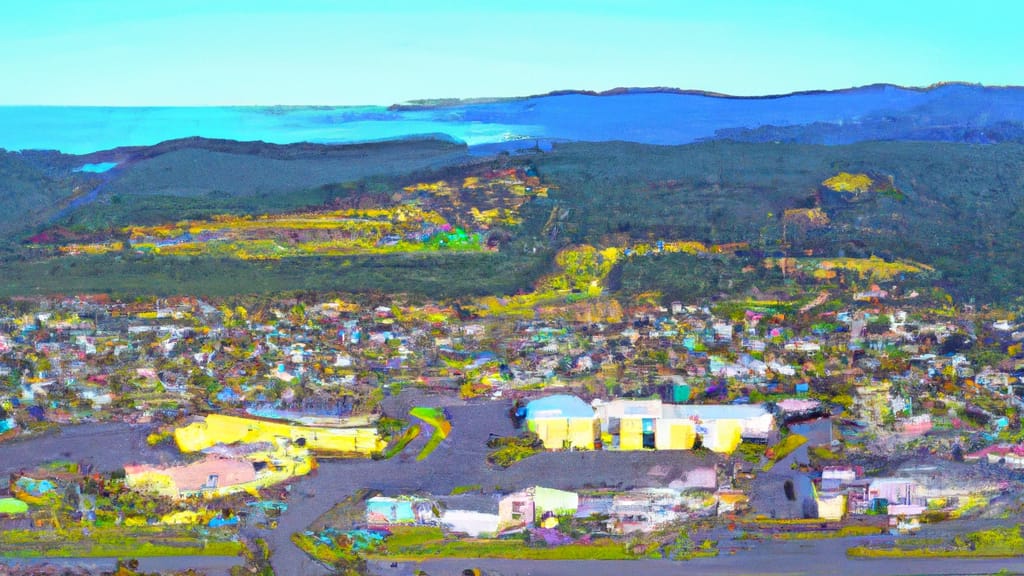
246 454
83 359
840 492
65 494
617 513
234 456
260 392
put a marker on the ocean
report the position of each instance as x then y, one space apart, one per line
651 117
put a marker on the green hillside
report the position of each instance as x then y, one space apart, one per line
957 208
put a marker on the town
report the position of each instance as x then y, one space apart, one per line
522 288
866 413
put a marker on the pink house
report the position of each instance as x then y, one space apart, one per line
207 475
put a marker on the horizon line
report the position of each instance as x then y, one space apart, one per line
421 103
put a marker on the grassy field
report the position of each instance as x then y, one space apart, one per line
844 532
995 543
419 543
784 448
114 542
435 275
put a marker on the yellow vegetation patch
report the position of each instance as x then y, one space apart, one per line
873 268
582 272
810 217
103 248
439 188
846 182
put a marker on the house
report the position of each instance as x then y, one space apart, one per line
32 490
470 522
915 425
383 512
796 410
643 510
1012 456
7 425
834 490
723 331
562 421
591 506
898 496
731 500
516 511
211 476
536 506
832 506
835 477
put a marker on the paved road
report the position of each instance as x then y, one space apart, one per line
740 558
773 558
460 460
107 447
802 562
209 565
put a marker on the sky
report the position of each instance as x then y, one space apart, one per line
381 52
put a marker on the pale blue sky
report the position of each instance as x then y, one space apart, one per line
213 52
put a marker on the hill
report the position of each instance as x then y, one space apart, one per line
30 192
956 209
150 184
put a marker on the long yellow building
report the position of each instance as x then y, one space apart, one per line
222 429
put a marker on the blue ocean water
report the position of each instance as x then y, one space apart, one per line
641 116
81 130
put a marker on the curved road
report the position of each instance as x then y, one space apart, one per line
460 460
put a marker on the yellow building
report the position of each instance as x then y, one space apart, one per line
631 434
562 421
222 429
831 506
560 433
650 424
722 436
667 434
674 434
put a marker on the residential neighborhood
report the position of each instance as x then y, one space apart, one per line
846 414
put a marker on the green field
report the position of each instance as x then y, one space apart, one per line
419 543
115 542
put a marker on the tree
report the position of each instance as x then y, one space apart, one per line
13 380
879 325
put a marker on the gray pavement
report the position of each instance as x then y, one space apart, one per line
461 460
802 561
107 447
208 565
